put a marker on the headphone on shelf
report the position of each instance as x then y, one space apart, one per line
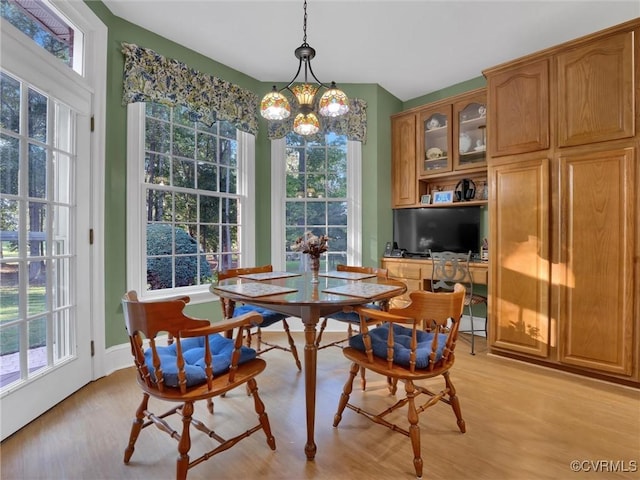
465 190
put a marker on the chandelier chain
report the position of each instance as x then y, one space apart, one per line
304 27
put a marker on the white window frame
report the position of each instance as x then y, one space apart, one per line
136 219
278 203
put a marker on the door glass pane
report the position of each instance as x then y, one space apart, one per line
37 116
37 171
9 229
436 141
63 335
61 177
36 293
61 295
9 103
37 236
9 164
472 141
37 331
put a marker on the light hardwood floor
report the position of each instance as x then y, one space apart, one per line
523 422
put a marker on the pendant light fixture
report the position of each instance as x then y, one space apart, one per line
333 103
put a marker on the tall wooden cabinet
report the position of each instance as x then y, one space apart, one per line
563 147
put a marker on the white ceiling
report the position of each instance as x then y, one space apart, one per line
410 48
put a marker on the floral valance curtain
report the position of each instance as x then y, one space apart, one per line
353 124
150 77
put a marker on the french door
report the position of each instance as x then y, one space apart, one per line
45 274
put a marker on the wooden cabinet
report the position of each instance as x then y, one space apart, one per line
564 217
595 91
596 240
437 145
403 174
519 113
520 264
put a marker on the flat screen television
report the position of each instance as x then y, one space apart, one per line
455 229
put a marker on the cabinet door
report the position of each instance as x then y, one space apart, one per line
403 135
595 91
595 269
470 133
519 251
518 120
435 145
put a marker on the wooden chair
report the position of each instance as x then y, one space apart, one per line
269 317
449 268
352 319
198 364
402 350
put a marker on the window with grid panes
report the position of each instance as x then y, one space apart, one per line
316 197
191 199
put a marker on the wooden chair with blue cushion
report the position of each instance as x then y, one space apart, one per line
269 317
402 351
352 319
198 363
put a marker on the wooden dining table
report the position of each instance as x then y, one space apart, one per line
295 295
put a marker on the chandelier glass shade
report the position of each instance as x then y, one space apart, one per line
275 106
306 124
333 103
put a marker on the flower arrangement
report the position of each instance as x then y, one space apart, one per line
311 244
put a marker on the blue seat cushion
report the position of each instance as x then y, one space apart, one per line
193 353
269 317
351 317
402 346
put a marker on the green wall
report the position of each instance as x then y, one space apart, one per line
458 88
376 162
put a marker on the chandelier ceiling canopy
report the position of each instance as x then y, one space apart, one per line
333 103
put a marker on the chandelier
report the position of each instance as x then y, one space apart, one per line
333 103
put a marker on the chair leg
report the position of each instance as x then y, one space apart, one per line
392 385
414 428
252 386
292 345
259 335
136 427
473 336
182 463
455 403
322 327
363 378
210 405
346 392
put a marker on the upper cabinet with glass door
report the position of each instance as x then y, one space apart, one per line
452 134
435 152
470 132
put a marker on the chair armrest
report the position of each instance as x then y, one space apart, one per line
382 316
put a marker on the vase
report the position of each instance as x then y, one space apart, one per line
315 267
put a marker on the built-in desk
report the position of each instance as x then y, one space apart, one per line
414 272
